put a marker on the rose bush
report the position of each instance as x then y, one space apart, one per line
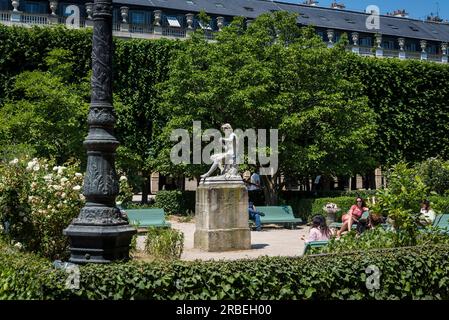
38 200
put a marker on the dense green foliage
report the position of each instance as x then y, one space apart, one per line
175 201
164 243
23 49
138 66
38 200
410 99
46 112
435 174
170 201
287 80
307 208
401 200
406 273
380 238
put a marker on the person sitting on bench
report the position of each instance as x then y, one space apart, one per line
319 231
255 215
427 215
353 216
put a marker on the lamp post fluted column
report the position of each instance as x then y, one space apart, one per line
100 234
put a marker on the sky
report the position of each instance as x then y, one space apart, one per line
417 9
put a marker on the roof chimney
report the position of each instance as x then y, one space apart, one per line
399 13
434 18
335 5
311 2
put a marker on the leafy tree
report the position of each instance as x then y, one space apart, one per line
271 75
47 113
401 201
139 65
435 173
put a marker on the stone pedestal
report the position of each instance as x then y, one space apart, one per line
379 53
221 216
124 27
53 19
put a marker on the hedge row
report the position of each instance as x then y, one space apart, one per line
176 202
409 97
405 273
306 208
410 100
183 202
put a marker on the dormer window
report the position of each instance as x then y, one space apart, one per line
173 22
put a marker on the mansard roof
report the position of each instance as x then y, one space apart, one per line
308 15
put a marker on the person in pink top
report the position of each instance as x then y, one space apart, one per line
353 215
319 231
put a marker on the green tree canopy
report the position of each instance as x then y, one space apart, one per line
272 75
47 112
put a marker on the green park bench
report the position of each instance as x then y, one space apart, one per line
442 221
282 215
337 225
314 244
145 218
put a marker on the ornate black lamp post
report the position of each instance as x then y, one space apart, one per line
100 234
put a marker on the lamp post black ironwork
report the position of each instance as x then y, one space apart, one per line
100 234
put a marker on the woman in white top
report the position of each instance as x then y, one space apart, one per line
427 216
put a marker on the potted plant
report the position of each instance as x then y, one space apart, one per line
331 210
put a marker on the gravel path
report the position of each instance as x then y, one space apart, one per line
269 242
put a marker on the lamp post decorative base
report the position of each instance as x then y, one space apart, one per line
99 244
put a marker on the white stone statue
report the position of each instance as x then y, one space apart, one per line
227 161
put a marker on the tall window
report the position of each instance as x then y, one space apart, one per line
388 44
366 42
337 37
139 17
35 7
116 16
410 46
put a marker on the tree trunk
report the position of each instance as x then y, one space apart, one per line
145 186
270 190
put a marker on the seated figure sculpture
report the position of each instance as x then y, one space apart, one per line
226 161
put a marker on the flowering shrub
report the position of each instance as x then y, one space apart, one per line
126 192
331 208
38 200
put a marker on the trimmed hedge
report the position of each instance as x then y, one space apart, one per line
307 208
406 273
409 97
175 201
410 100
27 276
